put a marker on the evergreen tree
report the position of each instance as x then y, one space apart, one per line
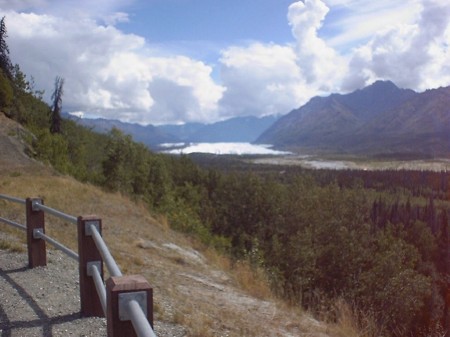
55 123
6 91
5 62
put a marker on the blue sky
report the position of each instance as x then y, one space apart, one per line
175 61
224 22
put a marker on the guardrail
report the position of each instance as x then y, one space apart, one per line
125 301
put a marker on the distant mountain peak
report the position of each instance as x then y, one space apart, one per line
378 118
381 84
236 129
379 87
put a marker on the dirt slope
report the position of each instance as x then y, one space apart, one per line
194 293
13 147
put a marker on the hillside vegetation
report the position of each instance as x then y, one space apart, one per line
196 291
372 246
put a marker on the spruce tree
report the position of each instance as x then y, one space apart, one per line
55 122
5 62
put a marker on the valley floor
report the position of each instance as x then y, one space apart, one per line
318 162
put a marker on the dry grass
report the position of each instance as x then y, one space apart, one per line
210 296
352 323
252 280
14 239
12 246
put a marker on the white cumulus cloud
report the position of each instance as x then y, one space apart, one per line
261 79
320 64
109 73
411 55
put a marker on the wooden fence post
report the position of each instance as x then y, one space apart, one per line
37 254
121 285
88 252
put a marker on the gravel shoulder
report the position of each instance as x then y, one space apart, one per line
43 301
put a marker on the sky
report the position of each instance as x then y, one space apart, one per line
177 61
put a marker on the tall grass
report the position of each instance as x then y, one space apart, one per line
350 322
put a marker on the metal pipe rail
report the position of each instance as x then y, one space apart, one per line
135 313
14 224
125 301
111 264
94 271
38 234
40 207
139 321
13 199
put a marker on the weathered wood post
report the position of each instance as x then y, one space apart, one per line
119 290
37 254
88 252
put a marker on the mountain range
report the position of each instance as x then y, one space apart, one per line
149 135
379 119
238 129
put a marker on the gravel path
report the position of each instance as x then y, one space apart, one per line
44 301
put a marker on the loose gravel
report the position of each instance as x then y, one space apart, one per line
44 301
